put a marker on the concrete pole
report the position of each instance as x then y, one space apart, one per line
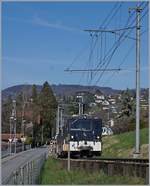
79 109
42 134
61 120
68 167
10 134
14 114
137 135
57 122
22 121
137 145
82 111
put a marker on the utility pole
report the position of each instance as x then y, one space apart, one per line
137 147
137 136
23 120
42 133
14 122
57 122
68 147
61 119
10 138
81 110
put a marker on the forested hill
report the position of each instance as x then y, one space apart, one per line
60 89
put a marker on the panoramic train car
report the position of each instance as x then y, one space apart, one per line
83 136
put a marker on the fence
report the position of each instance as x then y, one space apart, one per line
27 173
19 148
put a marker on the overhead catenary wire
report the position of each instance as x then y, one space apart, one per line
124 59
103 52
107 57
122 62
107 64
100 64
104 22
110 16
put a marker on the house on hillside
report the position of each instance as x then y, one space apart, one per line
99 95
111 122
105 108
105 103
112 101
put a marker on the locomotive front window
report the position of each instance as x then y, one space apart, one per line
84 125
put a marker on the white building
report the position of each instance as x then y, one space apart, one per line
101 97
105 102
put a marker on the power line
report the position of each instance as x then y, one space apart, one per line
110 57
124 59
129 50
110 14
117 43
105 20
77 56
112 46
95 42
116 48
114 14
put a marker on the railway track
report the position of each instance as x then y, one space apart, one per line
122 160
112 166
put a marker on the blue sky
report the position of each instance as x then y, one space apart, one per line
40 40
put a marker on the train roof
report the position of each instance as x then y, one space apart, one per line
71 119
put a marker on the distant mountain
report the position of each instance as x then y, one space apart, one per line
59 90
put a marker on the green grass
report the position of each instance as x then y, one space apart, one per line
122 145
53 173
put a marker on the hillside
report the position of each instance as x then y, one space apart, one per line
63 90
122 145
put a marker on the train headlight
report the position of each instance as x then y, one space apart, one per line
72 137
97 137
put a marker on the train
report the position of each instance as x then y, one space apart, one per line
81 136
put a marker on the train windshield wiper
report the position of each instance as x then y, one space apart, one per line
74 129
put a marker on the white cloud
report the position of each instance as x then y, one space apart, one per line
21 60
57 25
37 20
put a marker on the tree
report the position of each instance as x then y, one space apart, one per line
128 104
6 113
34 94
48 106
35 113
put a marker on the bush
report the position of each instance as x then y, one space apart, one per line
28 141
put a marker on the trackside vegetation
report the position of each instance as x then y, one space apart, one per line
122 145
53 173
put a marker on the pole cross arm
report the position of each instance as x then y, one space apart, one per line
92 70
112 31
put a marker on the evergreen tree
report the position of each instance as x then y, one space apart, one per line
34 94
48 106
35 113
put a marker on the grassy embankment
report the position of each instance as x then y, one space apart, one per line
122 145
53 173
113 146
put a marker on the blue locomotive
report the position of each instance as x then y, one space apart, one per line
82 136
